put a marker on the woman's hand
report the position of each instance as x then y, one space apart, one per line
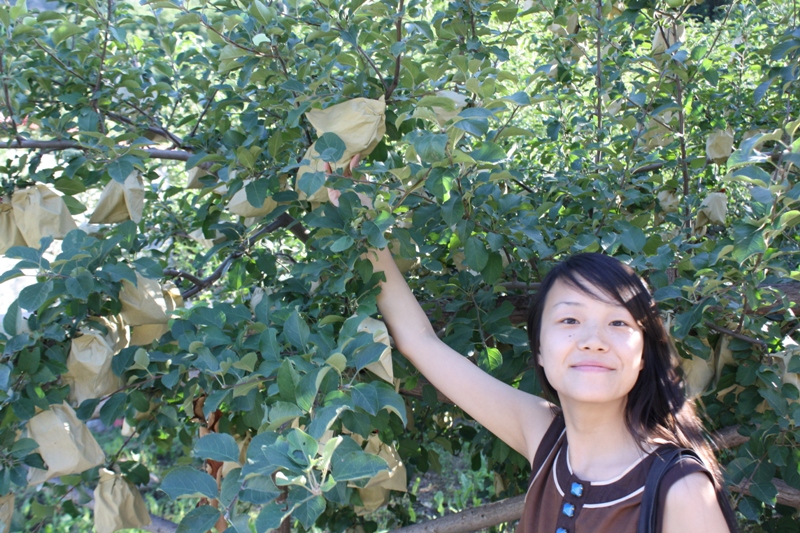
334 194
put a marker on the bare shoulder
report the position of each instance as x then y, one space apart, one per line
692 507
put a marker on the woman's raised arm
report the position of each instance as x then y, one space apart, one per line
519 419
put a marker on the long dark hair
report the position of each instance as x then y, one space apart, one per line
657 407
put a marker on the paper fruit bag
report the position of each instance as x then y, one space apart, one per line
65 444
239 205
376 492
143 303
360 123
383 367
145 334
6 512
120 201
89 373
40 212
117 333
9 232
118 504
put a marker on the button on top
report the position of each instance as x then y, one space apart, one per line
576 489
561 530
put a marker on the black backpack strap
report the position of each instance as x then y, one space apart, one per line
665 460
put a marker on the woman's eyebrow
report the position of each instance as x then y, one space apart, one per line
577 304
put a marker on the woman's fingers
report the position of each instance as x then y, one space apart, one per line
333 194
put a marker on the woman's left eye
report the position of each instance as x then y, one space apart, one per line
621 323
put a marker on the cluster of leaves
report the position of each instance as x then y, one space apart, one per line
573 125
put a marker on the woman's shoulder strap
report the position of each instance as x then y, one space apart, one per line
549 440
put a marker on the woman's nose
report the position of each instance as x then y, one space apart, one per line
593 339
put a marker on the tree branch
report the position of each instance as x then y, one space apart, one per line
399 28
283 221
735 334
7 97
174 155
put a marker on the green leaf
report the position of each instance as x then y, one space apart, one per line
199 520
19 9
357 465
217 447
330 147
296 331
476 254
342 243
113 409
81 285
430 146
33 296
188 482
368 354
447 104
10 320
390 400
120 169
308 511
64 31
256 192
366 397
520 98
310 182
764 491
271 516
489 152
491 358
308 386
247 159
23 447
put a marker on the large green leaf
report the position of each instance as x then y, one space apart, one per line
188 482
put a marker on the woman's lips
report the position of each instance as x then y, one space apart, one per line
591 367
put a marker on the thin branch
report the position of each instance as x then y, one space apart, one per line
735 335
171 272
283 221
203 113
173 155
399 59
7 97
599 81
57 60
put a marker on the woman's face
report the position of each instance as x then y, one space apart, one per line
590 346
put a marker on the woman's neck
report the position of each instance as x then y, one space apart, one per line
600 445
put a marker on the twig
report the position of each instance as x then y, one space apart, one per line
57 60
283 221
399 28
202 114
7 97
599 82
735 335
173 155
171 272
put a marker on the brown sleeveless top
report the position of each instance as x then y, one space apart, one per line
558 501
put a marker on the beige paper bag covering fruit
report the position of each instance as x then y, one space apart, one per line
65 444
120 201
380 333
360 123
719 145
6 512
40 212
118 504
239 205
9 232
89 373
144 334
143 303
713 210
376 492
117 333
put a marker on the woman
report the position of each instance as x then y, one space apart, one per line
603 355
